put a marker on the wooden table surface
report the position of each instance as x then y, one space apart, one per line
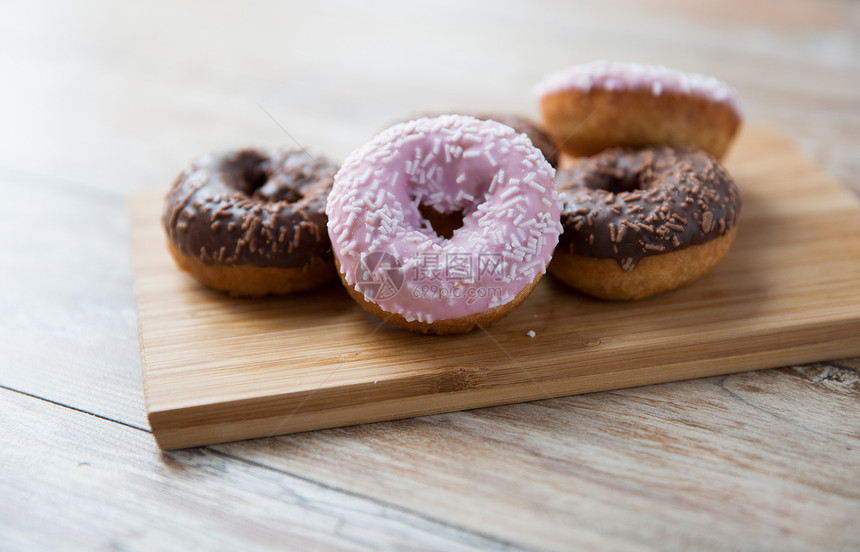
100 99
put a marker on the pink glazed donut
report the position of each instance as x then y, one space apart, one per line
387 194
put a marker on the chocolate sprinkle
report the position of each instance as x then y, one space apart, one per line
657 190
251 207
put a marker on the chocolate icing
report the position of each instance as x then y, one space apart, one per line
626 204
252 207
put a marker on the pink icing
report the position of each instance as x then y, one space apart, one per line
500 181
633 76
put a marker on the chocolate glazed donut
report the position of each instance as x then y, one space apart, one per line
252 222
643 221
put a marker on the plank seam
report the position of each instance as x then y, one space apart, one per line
502 543
74 408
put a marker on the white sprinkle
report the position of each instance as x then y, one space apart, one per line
365 176
508 193
489 156
537 186
510 204
521 234
413 137
531 333
464 195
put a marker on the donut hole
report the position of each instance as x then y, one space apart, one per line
624 173
620 180
254 178
275 190
443 224
252 171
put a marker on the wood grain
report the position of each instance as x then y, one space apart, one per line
68 318
99 99
201 499
219 369
762 460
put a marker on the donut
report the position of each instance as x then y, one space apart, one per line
540 138
397 266
638 222
591 107
252 222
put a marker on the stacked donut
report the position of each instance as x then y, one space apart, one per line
447 222
651 209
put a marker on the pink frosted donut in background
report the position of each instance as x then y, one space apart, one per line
391 259
595 106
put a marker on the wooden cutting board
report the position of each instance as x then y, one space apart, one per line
218 369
